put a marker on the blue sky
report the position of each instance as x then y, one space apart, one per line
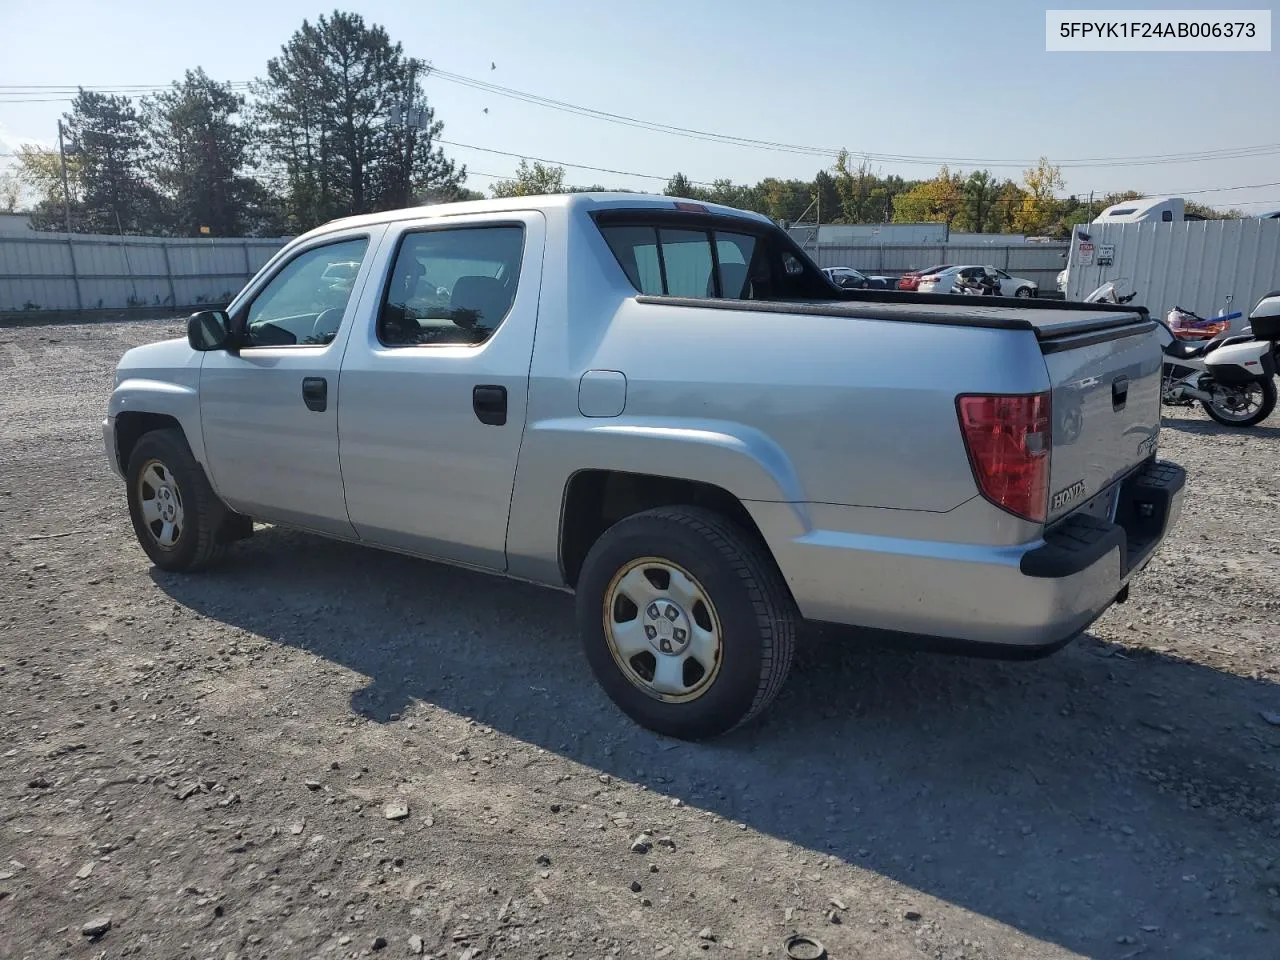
907 78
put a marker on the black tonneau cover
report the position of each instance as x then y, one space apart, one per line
1049 319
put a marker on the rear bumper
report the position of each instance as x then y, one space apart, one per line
1025 598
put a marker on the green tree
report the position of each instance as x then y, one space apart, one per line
725 191
828 197
199 153
39 171
451 193
1005 208
11 191
939 200
531 180
108 138
682 186
1111 199
1041 208
783 199
864 196
980 192
321 117
1211 213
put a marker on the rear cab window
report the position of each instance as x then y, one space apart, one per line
708 257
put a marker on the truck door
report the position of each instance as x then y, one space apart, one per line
434 389
269 412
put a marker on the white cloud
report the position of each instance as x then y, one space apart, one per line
10 141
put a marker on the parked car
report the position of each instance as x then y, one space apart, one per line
686 428
850 279
943 281
911 279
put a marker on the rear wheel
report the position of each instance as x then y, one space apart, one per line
175 513
1244 405
686 621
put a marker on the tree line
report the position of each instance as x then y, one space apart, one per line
310 142
977 202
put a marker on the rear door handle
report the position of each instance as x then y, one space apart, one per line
489 401
315 393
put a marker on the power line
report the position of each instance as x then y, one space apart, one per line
1139 160
66 93
564 163
1225 153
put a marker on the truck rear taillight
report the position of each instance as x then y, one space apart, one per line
1009 439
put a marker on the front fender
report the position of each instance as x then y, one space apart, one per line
141 395
734 457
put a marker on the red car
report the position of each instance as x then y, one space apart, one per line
911 279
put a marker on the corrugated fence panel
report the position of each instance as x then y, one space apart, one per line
36 274
1195 265
37 294
195 259
79 271
260 252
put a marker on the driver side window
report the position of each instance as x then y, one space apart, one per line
303 304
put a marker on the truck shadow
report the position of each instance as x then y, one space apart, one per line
1071 798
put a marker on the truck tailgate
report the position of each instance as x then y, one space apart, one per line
1105 381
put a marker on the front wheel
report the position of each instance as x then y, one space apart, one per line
686 621
1022 292
175 513
1242 406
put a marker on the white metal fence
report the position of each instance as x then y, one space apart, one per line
1194 265
1040 262
59 271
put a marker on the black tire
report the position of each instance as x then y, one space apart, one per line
757 616
196 544
1264 410
1022 292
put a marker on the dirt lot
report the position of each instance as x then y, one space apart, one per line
207 762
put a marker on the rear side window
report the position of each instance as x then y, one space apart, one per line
682 262
451 287
687 257
734 253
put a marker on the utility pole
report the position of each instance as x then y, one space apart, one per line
410 117
66 192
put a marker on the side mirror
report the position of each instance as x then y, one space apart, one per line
209 330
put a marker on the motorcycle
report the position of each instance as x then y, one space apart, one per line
1231 376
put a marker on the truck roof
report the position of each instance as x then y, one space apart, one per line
558 201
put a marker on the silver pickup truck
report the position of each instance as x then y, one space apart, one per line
666 408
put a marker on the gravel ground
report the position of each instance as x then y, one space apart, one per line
323 751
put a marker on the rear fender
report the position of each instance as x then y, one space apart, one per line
738 459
